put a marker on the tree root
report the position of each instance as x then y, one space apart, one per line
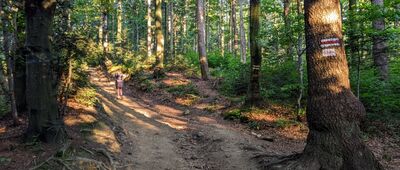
294 162
105 153
41 164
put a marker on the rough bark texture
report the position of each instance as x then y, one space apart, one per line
159 65
333 112
254 97
300 60
149 32
243 43
202 40
45 121
379 48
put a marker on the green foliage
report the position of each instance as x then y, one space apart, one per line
236 114
86 96
381 99
189 89
4 105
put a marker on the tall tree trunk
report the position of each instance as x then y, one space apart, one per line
234 28
119 23
254 96
149 29
352 31
222 28
242 35
45 121
205 75
9 47
105 32
159 65
288 32
171 30
379 49
333 112
100 36
300 60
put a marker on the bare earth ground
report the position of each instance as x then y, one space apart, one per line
159 130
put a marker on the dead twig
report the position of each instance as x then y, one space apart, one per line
41 164
62 163
105 153
87 150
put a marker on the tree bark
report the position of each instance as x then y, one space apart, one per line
105 32
300 61
234 28
149 29
242 35
352 30
119 22
254 96
205 75
333 112
379 48
9 47
159 65
286 12
45 122
222 28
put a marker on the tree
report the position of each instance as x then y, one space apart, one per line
234 27
149 29
159 65
202 40
45 122
333 112
243 42
9 47
119 22
379 49
254 96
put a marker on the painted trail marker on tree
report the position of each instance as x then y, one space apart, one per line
328 45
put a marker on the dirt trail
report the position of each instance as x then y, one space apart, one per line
156 136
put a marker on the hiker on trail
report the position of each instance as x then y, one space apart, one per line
119 84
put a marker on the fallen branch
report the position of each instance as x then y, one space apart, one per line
41 164
87 150
105 153
62 163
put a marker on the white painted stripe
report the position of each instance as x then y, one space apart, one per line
330 45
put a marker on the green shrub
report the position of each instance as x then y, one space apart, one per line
86 96
181 90
4 105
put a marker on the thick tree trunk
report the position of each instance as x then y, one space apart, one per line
379 48
242 35
205 75
149 29
333 112
45 121
100 36
171 30
159 65
254 96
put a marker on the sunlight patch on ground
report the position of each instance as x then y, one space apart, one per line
175 82
80 119
207 120
173 123
169 110
2 130
137 121
104 135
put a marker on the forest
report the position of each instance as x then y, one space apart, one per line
200 84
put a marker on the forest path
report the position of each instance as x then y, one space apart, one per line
156 136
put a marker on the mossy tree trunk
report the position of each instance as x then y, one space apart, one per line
379 48
159 65
333 112
45 122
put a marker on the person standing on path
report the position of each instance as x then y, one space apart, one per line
119 84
